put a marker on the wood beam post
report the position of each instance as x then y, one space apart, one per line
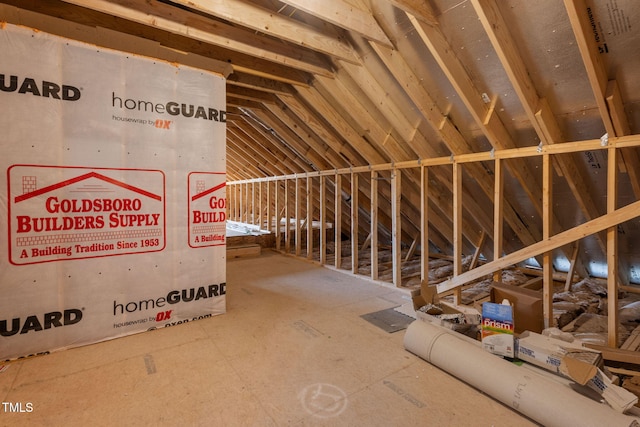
309 217
412 249
547 232
323 220
230 201
269 195
278 207
298 214
240 202
612 250
338 221
247 205
374 225
476 254
354 223
424 223
254 203
259 204
498 213
457 228
396 228
572 267
287 217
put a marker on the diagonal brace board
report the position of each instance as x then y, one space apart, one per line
594 226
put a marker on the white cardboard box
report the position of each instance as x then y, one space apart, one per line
573 361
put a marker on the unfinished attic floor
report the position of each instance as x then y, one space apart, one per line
292 350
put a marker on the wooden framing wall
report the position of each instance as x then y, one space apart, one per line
298 207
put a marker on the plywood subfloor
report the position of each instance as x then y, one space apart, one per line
292 350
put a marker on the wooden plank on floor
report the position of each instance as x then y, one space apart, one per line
243 251
633 341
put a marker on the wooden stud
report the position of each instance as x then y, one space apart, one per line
572 267
254 203
354 223
229 196
547 232
457 228
323 219
259 220
612 250
374 225
338 221
424 223
476 254
298 215
278 203
238 202
242 203
287 217
396 227
269 195
412 249
247 204
367 243
309 217
498 213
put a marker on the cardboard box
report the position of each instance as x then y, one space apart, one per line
617 397
464 320
417 299
527 306
450 317
497 329
568 359
575 362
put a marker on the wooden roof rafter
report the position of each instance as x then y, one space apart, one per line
537 109
273 24
447 131
249 144
258 83
346 16
606 91
239 144
308 128
276 144
484 116
177 21
251 94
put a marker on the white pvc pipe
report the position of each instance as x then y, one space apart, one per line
539 398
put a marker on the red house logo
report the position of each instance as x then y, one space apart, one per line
207 209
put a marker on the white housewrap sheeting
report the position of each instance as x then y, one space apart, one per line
112 193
